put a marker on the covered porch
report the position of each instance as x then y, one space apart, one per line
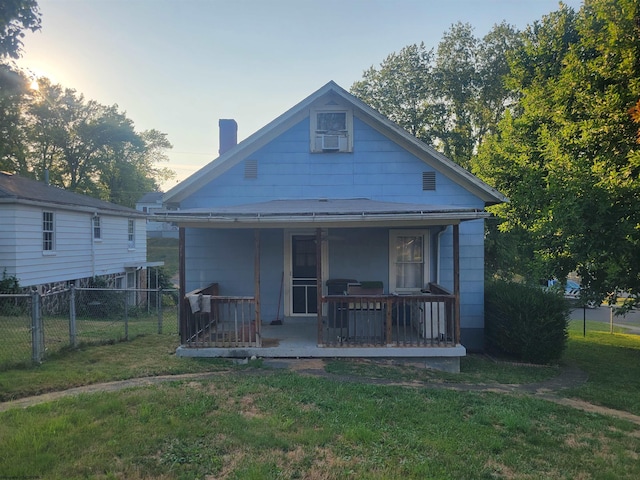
359 320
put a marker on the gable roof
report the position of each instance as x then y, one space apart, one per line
151 197
17 189
361 110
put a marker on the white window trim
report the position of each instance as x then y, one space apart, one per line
99 227
131 234
393 235
314 127
51 251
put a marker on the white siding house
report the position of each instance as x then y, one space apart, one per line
151 203
49 236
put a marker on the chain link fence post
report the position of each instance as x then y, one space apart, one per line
159 308
126 315
37 332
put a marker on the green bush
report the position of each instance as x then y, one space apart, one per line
9 284
525 322
11 306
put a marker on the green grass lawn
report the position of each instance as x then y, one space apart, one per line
256 423
612 362
164 250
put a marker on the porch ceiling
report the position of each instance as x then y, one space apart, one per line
321 213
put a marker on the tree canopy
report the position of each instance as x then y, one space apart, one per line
84 146
450 99
550 116
568 157
15 17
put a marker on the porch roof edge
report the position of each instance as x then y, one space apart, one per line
317 220
319 212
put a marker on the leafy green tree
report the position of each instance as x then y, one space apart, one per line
15 17
13 88
568 157
450 100
134 171
74 139
403 89
90 148
84 146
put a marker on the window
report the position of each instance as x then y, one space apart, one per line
408 260
48 238
332 123
331 131
132 233
97 233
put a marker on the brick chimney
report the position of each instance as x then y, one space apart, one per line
228 134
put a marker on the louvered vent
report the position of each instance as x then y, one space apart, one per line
251 169
428 180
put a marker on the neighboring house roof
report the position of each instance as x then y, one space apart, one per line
300 111
17 189
151 197
321 212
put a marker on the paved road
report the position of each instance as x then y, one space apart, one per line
602 314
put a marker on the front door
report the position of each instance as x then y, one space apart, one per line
304 290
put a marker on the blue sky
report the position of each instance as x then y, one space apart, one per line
180 65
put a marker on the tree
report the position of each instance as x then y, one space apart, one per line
568 157
134 172
73 138
403 90
450 100
15 17
13 87
470 76
90 148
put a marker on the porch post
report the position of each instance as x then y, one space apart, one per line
456 282
182 284
319 282
256 272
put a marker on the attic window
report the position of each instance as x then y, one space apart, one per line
331 130
428 180
251 169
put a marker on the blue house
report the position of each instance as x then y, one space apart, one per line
331 232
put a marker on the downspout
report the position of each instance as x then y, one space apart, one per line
438 259
93 247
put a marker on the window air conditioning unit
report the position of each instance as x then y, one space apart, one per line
331 143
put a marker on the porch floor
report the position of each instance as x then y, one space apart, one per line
297 338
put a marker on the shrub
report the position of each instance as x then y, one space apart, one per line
525 322
10 306
9 284
103 302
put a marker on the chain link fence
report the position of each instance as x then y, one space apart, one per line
15 330
34 326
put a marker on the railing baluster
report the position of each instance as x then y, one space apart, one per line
396 320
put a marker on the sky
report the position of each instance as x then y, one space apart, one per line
180 65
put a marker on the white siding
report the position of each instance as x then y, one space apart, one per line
75 254
7 240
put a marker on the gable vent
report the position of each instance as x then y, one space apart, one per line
251 169
428 180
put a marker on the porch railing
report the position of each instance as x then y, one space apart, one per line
389 320
212 320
